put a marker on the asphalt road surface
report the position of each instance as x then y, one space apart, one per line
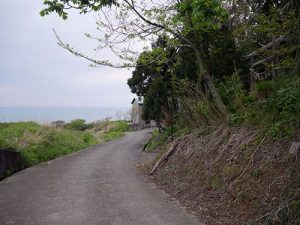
97 186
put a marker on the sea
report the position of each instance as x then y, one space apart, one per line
46 115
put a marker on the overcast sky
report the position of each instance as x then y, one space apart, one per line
34 71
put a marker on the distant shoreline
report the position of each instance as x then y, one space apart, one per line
46 115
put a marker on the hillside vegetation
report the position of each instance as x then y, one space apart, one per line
40 143
243 169
240 169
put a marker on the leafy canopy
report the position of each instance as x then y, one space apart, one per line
61 6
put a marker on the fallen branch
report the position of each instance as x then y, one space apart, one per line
164 157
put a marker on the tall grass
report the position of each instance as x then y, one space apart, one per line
273 105
40 143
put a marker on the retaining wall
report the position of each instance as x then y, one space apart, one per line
10 160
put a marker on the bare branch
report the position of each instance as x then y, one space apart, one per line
98 62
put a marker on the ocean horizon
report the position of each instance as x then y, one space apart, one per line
50 114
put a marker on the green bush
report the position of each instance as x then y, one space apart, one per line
285 104
284 110
78 124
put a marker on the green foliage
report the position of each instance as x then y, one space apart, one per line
119 126
195 108
285 102
60 6
155 100
224 56
185 66
39 143
150 65
10 133
274 105
264 88
284 109
233 92
152 79
267 27
206 15
112 135
159 139
77 124
205 25
110 130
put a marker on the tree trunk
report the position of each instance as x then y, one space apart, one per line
203 74
168 116
215 94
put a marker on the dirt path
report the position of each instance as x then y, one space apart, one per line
97 186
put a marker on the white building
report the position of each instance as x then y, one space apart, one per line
136 113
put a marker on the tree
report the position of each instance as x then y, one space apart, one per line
77 124
156 103
152 79
202 20
190 23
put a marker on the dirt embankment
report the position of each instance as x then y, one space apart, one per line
233 176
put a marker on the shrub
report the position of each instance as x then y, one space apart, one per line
284 109
77 124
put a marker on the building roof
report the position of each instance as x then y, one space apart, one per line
140 100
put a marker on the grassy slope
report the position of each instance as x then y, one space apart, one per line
40 143
109 130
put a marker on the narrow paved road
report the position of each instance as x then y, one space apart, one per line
98 186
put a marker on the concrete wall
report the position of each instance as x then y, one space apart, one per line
136 114
9 161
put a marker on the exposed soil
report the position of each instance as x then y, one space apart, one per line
234 176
